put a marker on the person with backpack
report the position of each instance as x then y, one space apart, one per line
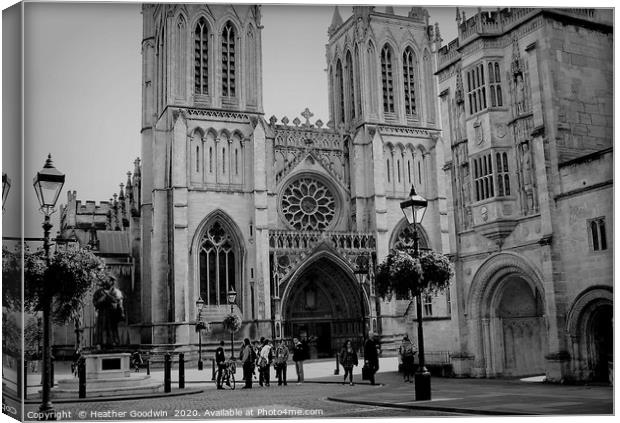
407 353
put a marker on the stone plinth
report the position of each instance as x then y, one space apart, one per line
106 366
108 375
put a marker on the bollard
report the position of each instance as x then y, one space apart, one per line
212 369
337 370
52 371
24 379
167 371
181 371
148 364
81 377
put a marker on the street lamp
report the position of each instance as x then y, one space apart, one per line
6 186
414 209
47 185
199 325
232 296
360 272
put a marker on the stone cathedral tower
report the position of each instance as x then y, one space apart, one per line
202 98
383 94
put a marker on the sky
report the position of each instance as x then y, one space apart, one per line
82 90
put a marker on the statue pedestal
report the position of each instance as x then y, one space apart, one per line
105 366
108 375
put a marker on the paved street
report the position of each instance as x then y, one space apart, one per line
324 396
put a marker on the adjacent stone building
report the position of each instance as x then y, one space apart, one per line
525 99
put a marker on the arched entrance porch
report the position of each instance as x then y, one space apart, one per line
507 321
590 325
324 303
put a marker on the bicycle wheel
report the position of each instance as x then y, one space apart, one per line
218 374
232 381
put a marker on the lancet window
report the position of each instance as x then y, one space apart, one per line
201 58
228 61
409 66
387 78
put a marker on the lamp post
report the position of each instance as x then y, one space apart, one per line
232 296
6 186
360 272
199 325
414 209
47 185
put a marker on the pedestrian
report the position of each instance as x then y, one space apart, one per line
220 361
255 353
371 356
136 361
247 360
348 359
264 362
280 361
299 355
407 352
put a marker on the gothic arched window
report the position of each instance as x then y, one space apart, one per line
409 67
228 60
201 57
340 90
351 82
218 264
358 90
387 79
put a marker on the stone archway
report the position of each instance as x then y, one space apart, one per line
507 318
590 326
323 304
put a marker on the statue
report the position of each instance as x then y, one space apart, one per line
520 93
108 301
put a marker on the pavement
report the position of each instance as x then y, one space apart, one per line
449 395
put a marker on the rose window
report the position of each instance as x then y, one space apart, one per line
307 204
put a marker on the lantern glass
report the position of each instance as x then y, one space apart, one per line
47 184
6 186
200 304
232 296
414 208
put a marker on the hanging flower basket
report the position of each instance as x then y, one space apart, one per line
404 276
232 323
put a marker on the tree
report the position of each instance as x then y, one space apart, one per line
404 276
70 277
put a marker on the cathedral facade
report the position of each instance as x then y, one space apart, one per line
292 215
506 131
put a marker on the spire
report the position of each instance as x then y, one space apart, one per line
336 22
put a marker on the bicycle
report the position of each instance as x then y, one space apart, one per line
227 375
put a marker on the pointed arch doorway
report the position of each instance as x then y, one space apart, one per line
324 303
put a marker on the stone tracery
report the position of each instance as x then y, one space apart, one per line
308 204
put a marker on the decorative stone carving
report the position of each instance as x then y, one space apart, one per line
479 132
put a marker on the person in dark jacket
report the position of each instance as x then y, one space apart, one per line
371 356
220 361
247 359
348 359
299 355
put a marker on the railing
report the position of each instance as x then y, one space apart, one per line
291 240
